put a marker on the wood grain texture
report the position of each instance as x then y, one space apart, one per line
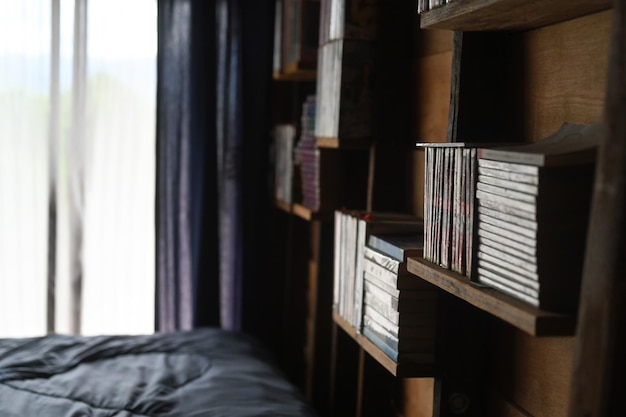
432 97
401 370
507 14
431 101
523 316
532 374
500 407
565 68
417 201
600 362
418 394
431 42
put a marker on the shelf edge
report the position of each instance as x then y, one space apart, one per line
525 317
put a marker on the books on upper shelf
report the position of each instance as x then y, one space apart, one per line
284 138
296 34
352 229
533 205
345 90
277 61
348 19
449 193
426 5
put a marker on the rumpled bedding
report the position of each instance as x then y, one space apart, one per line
207 372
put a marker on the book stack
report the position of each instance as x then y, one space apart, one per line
352 229
533 207
277 60
307 156
426 5
344 69
449 192
299 33
399 309
348 19
284 138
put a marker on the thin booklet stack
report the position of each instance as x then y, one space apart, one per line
284 138
449 193
399 309
533 204
352 228
307 157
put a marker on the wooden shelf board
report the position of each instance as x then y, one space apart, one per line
304 212
400 370
507 14
296 209
295 72
523 316
338 143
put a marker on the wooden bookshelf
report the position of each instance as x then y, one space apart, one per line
525 317
401 370
295 72
338 143
303 212
487 15
297 209
519 70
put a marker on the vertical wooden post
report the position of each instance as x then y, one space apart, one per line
460 381
600 356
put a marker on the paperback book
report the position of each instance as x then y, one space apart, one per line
533 210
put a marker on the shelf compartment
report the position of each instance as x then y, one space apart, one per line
338 143
401 370
298 210
483 15
523 316
295 72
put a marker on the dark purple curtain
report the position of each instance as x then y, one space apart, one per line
212 144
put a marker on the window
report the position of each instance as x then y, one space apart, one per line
77 128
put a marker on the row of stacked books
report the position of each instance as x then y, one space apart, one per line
348 19
296 31
374 292
513 217
345 68
533 204
307 156
449 191
426 5
284 138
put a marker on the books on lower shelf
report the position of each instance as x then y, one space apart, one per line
392 308
533 205
352 229
402 326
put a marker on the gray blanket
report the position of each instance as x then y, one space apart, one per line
209 372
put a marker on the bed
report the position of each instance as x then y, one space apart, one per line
206 372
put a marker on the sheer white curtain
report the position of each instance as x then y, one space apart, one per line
25 32
119 266
78 99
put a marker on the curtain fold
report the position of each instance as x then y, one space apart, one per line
229 159
184 124
213 184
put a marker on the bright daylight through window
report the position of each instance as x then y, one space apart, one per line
77 166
